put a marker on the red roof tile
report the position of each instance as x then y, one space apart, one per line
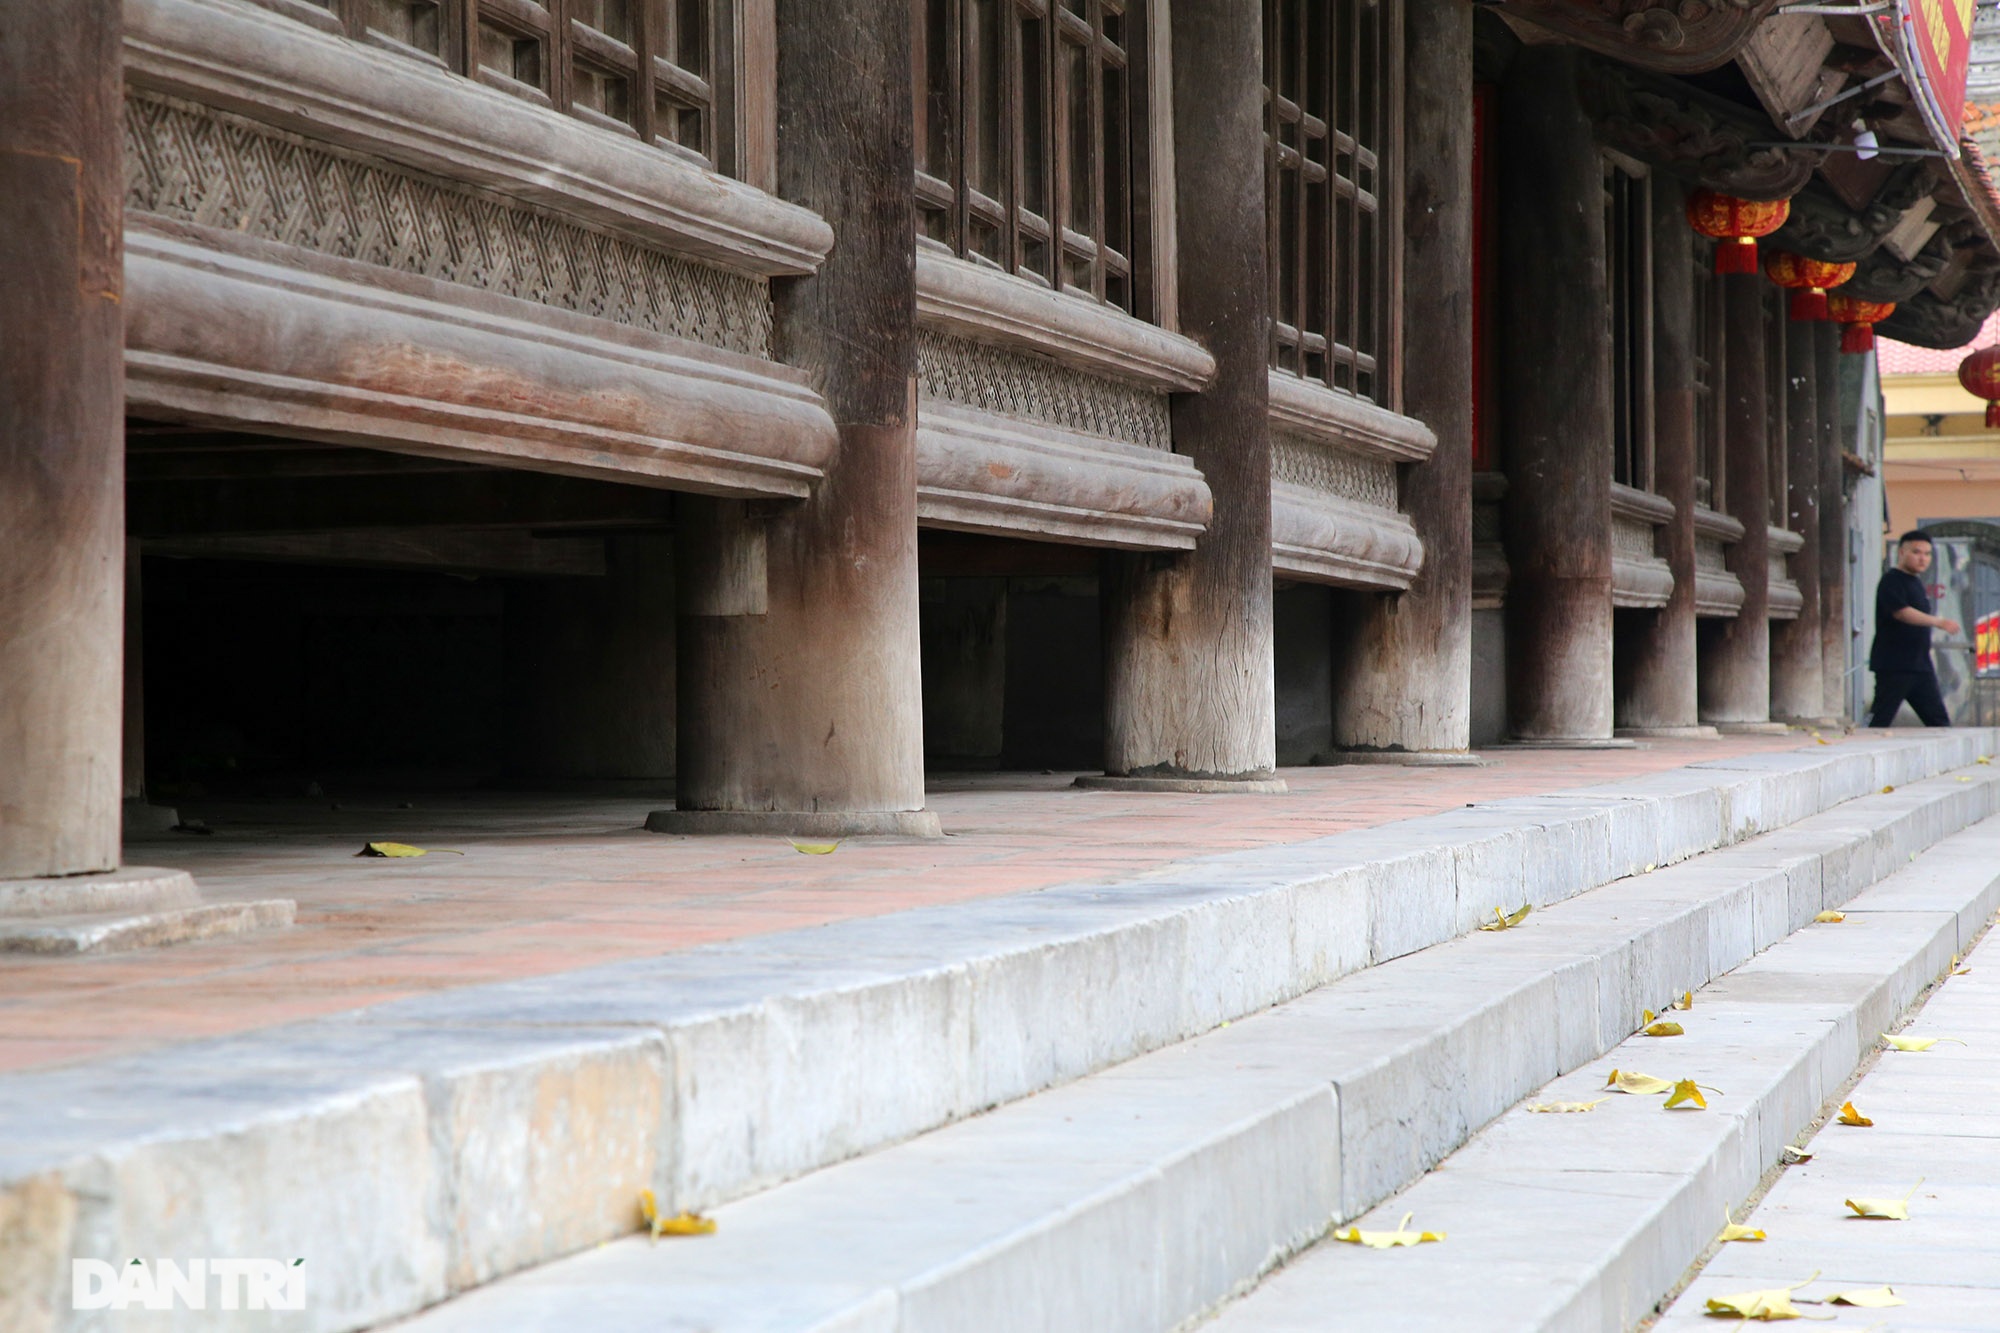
1896 358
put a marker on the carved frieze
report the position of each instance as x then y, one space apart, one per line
1020 384
1671 36
1693 134
192 163
1328 470
1822 227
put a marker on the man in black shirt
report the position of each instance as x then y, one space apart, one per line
1901 655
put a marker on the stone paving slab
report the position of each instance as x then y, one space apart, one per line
1584 1221
553 883
1934 1121
1062 1210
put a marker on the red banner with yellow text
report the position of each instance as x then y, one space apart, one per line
1932 44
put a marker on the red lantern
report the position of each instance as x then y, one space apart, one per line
1860 318
1807 279
1980 374
1735 224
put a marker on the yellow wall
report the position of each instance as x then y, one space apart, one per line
1942 461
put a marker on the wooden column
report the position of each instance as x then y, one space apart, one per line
62 454
1797 692
1735 674
1189 694
1408 683
802 712
1833 637
1657 686
1555 366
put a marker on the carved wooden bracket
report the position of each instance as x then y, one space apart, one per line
1670 36
1883 277
1822 227
1693 134
1927 320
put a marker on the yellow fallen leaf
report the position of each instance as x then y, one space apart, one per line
1850 1116
1820 740
1664 1028
1685 1002
1867 1298
1507 920
681 1224
1686 1092
1961 779
1639 1085
1733 1230
1829 916
1791 1156
1387 1240
1775 1303
1887 789
815 848
1564 1108
390 849
1984 759
1903 1043
1887 1210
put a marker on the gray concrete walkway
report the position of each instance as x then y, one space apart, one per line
1937 1120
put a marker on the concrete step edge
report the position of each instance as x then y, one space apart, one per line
1610 1267
1302 1125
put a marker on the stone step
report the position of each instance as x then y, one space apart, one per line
1585 1222
126 889
1933 1123
111 932
1142 1195
449 1140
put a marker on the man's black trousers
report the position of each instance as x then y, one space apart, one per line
1919 687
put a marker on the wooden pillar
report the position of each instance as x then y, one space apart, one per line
1833 637
802 712
1555 363
1735 674
1189 692
1797 692
1408 682
62 455
1657 687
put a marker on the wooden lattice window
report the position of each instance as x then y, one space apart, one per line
1628 237
1333 101
1029 146
1706 366
645 68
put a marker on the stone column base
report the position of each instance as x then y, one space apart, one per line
1752 728
133 907
1233 786
797 823
1695 733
